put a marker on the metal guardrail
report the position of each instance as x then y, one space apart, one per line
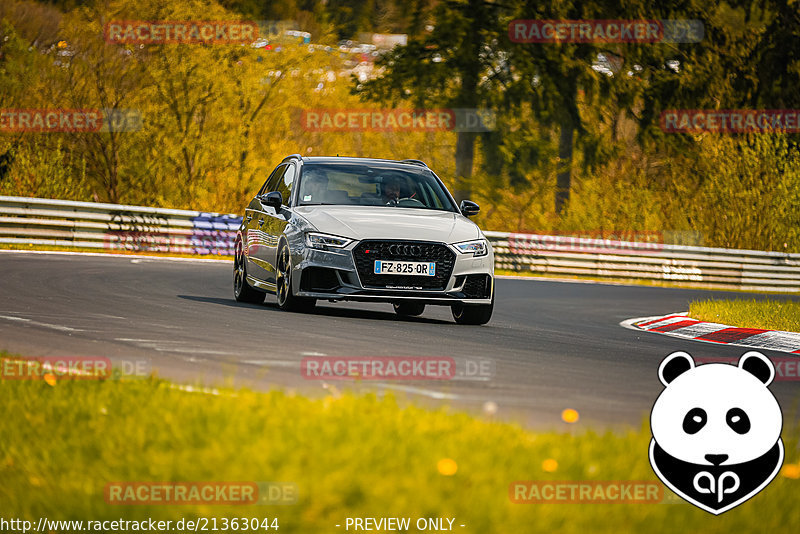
38 221
599 258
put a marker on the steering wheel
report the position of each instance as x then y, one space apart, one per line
409 202
406 202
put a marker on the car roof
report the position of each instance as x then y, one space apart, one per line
416 164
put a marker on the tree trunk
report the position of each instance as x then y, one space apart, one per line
470 76
564 168
465 154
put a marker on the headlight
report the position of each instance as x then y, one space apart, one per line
325 241
479 247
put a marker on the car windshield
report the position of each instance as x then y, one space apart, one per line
372 185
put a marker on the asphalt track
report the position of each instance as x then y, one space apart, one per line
550 345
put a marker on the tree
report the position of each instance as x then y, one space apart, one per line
573 87
97 75
444 68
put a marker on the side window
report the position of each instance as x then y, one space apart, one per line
263 188
268 185
273 184
286 183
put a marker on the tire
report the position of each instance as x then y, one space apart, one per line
242 291
283 284
473 314
409 309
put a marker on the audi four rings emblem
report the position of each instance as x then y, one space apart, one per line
405 250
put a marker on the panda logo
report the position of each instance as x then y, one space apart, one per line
716 430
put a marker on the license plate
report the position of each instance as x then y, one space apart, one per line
416 268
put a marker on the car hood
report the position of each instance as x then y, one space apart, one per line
386 222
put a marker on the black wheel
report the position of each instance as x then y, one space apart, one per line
242 291
283 282
409 309
475 314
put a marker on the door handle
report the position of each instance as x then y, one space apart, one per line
260 222
249 218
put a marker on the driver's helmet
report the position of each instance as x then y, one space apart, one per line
392 181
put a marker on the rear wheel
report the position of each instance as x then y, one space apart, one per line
286 299
472 313
409 309
242 291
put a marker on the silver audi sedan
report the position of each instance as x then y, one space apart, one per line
363 230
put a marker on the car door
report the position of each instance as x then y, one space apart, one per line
275 221
256 240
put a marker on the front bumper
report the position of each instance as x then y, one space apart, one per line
333 275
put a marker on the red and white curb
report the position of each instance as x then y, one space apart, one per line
679 325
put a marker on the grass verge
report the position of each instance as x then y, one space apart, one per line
350 456
768 314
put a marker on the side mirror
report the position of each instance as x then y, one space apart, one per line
273 198
469 208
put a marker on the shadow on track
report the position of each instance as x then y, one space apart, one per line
224 302
354 313
327 311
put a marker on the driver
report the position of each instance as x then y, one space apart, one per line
315 185
391 190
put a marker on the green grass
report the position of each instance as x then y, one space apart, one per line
350 456
767 314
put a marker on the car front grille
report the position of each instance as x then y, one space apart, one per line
367 252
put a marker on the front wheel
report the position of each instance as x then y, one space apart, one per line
242 291
286 299
472 313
